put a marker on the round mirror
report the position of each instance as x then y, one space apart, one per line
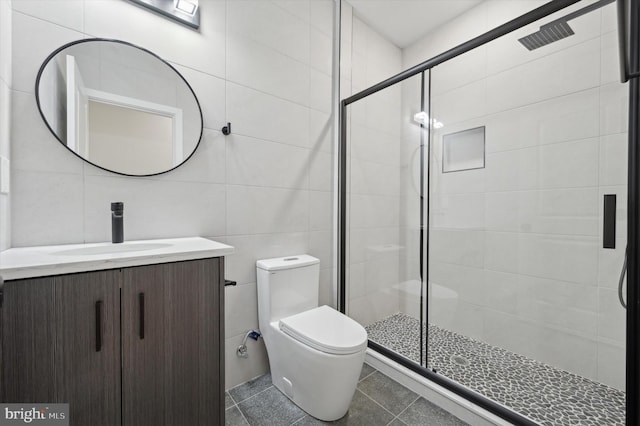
119 107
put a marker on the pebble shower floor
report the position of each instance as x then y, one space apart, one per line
546 395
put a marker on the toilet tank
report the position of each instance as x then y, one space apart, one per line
286 286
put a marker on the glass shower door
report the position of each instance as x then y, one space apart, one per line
522 302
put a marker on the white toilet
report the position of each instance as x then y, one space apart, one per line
315 353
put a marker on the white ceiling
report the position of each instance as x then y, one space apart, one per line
404 21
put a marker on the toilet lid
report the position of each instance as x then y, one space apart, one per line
326 330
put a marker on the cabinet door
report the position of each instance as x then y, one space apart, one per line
87 346
50 327
28 373
172 344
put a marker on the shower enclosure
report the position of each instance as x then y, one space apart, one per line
483 216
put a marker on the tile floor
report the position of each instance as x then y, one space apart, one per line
378 400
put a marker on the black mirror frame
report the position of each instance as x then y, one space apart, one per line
86 40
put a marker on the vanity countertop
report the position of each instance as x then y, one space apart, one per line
31 262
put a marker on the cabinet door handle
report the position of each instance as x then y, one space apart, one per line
141 313
98 325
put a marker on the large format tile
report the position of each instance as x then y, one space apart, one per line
251 388
46 208
33 40
387 392
363 411
270 408
423 412
233 417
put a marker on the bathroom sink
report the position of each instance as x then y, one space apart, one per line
111 249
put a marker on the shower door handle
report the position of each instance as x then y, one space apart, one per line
609 222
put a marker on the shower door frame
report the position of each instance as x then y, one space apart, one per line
628 20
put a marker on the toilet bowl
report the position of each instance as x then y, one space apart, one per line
315 352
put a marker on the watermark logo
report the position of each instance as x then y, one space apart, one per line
35 414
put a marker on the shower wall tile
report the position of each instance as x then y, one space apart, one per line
460 104
571 211
557 74
610 63
563 258
610 359
614 104
559 119
258 162
569 164
458 211
374 178
612 316
464 247
454 74
610 263
613 148
563 350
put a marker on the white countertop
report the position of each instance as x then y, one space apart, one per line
30 262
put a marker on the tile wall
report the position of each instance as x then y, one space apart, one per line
5 121
374 170
264 66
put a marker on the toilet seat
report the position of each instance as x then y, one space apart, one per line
326 330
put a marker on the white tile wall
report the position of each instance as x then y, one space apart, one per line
5 116
264 66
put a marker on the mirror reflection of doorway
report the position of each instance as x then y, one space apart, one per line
124 137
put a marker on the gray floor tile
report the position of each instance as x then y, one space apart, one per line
252 387
362 412
423 412
397 422
270 408
233 417
387 392
228 401
366 370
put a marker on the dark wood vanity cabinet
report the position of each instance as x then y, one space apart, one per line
132 346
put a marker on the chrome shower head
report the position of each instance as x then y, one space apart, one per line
548 33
